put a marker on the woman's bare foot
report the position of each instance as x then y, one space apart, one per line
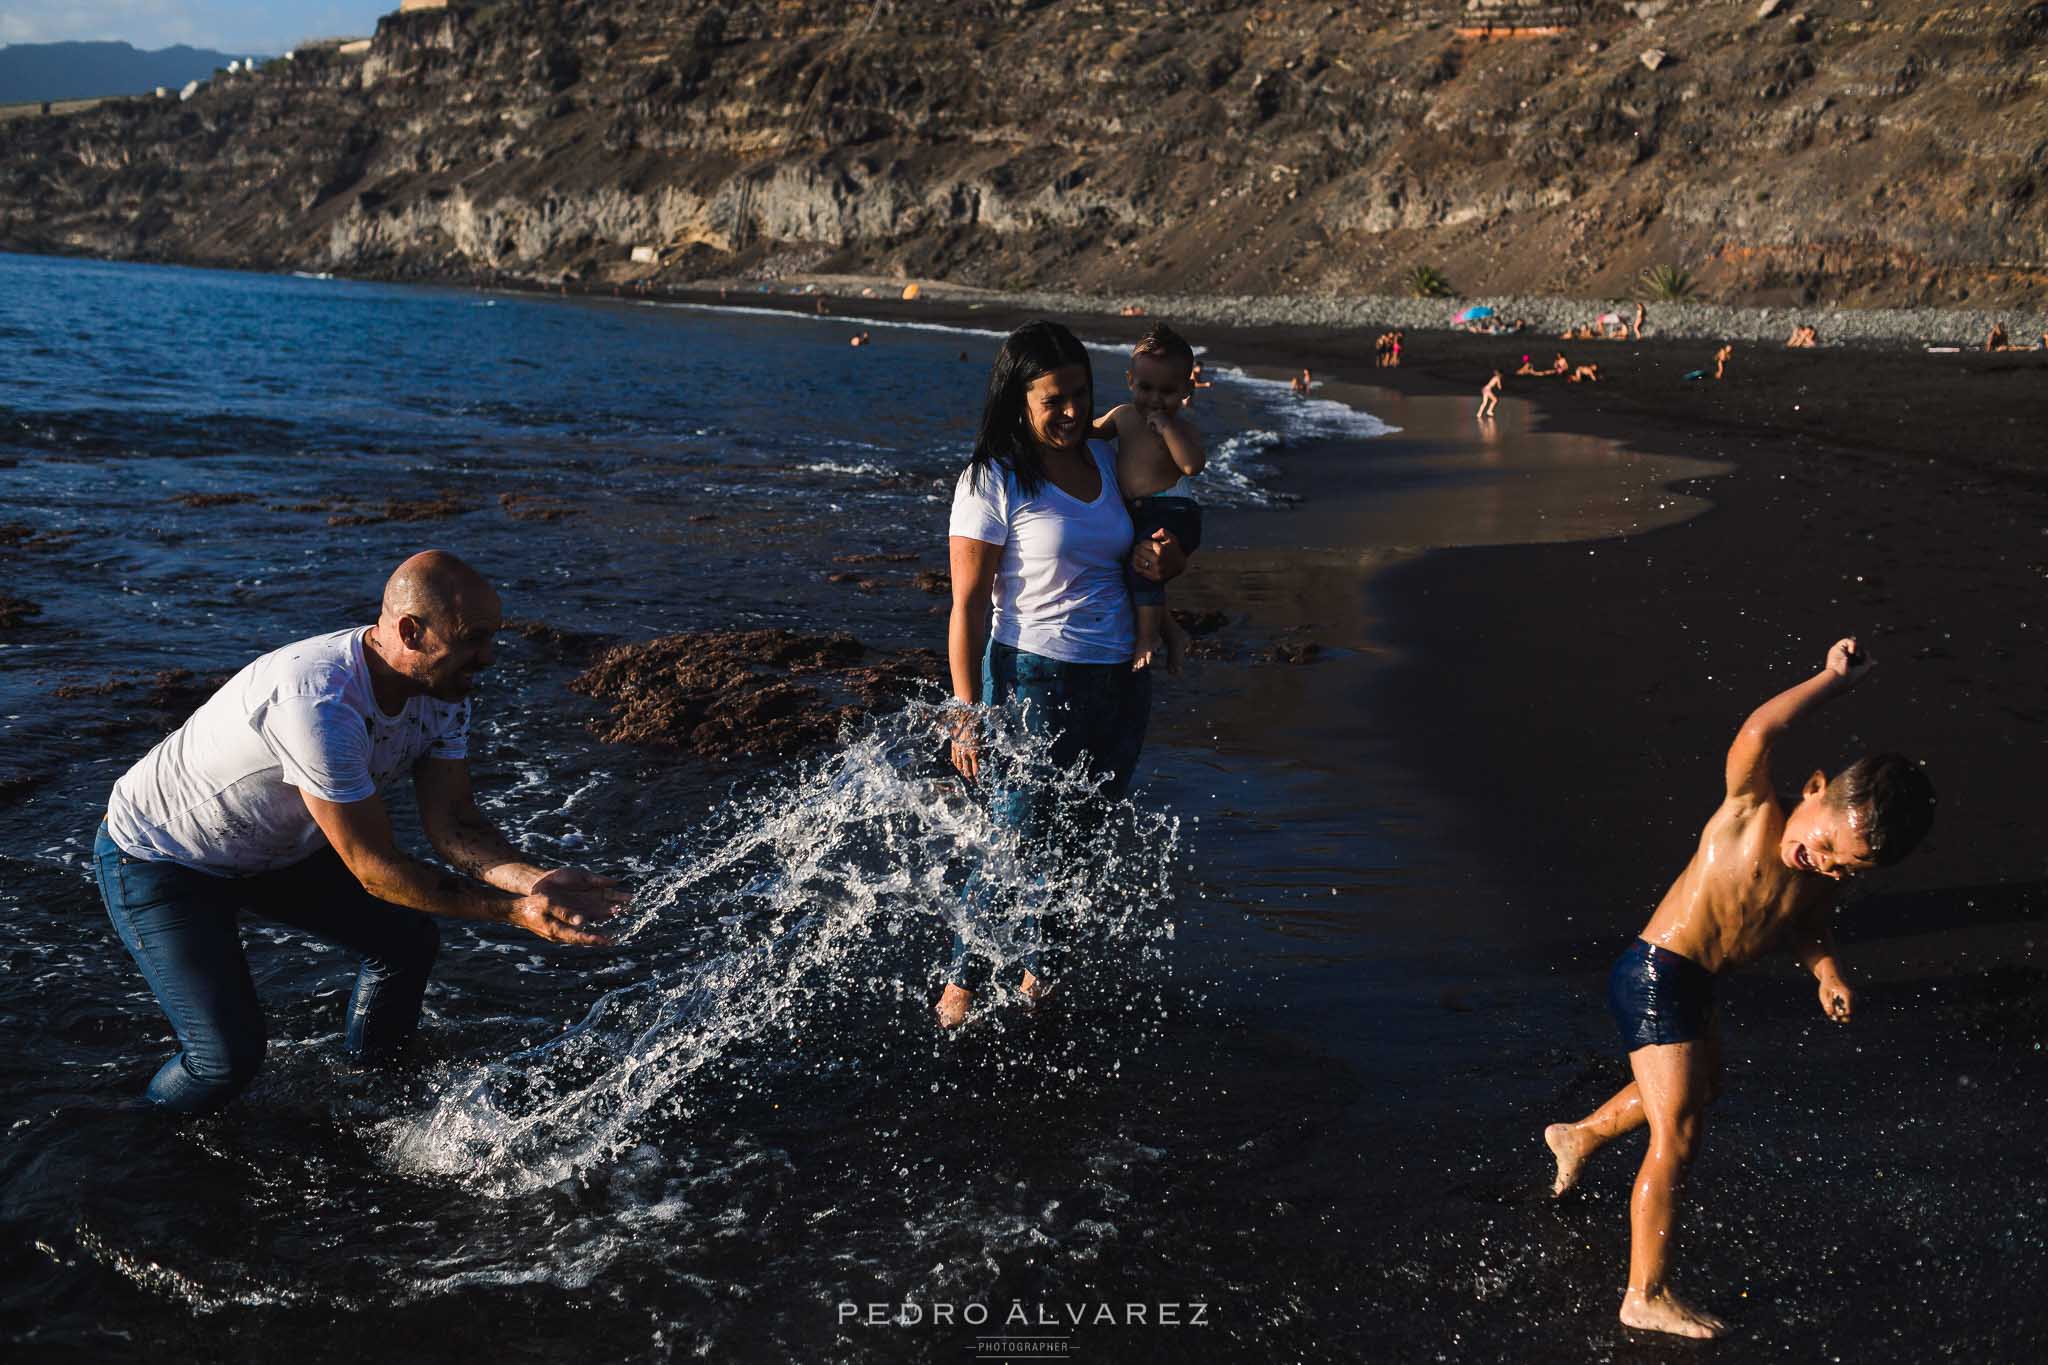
952 1006
1666 1312
1571 1149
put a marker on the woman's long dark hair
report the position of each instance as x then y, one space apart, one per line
1033 350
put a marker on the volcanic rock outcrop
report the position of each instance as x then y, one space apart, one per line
1833 149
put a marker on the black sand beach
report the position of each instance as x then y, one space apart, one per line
1354 1065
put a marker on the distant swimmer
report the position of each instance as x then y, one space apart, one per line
859 339
269 802
1301 384
1489 397
1761 876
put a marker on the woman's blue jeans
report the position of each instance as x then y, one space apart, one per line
181 928
1096 711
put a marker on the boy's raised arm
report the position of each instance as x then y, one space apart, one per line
1181 442
1749 758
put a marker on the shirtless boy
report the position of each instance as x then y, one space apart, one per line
1157 452
1761 875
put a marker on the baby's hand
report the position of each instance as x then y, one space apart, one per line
1836 999
1849 663
1157 421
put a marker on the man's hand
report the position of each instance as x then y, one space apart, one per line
1159 558
1836 999
564 902
1849 664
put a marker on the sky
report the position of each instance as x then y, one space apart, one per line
229 26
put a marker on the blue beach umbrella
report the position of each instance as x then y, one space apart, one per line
1474 313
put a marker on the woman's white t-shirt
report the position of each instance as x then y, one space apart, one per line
1059 587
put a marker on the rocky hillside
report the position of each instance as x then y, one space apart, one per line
1843 150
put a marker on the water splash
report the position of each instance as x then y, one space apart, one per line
819 904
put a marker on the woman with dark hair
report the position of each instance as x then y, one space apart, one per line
1042 624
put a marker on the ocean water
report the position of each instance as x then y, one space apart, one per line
709 1140
1286 1109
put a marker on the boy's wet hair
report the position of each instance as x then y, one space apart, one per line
1162 341
1895 797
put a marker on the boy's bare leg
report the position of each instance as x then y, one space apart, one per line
1674 1081
1176 645
1572 1143
1151 638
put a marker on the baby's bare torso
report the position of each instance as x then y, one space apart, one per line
1144 466
1736 899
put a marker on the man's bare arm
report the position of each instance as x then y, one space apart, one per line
462 833
360 831
1749 758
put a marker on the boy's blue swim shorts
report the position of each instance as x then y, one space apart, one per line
1658 996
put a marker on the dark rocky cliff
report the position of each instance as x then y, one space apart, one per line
1835 149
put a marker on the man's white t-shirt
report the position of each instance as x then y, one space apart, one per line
1059 587
221 794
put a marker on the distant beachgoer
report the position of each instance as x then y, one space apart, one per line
1584 374
1527 368
1721 359
1635 329
1760 876
1803 337
1131 310
1997 341
1041 623
267 802
859 339
821 303
1560 365
1301 384
1196 380
1157 452
1489 397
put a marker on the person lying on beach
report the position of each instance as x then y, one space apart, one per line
1157 452
1803 338
1584 374
1721 359
1560 365
1528 369
1489 397
1761 875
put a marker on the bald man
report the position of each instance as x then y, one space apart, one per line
267 802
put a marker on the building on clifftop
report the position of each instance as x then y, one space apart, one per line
405 6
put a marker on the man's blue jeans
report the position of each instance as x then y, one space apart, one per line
181 928
1094 710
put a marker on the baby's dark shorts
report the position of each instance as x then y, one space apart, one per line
1183 517
1658 996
